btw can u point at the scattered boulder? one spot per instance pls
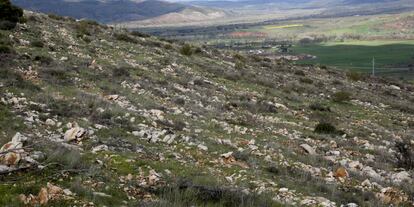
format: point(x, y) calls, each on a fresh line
point(11, 152)
point(228, 158)
point(400, 177)
point(394, 87)
point(391, 195)
point(49, 193)
point(308, 149)
point(74, 134)
point(50, 122)
point(102, 195)
point(112, 97)
point(100, 148)
point(368, 171)
point(202, 147)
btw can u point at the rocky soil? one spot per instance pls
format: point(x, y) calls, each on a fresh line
point(93, 116)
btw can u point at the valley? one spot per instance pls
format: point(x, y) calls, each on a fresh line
point(347, 43)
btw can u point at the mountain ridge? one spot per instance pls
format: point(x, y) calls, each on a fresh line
point(111, 11)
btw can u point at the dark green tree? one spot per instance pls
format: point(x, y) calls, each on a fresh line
point(9, 15)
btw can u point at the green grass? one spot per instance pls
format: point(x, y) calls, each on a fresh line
point(9, 124)
point(357, 55)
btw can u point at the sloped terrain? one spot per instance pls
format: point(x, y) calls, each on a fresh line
point(190, 15)
point(103, 11)
point(92, 116)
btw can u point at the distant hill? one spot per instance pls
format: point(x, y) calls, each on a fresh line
point(191, 15)
point(107, 11)
point(300, 4)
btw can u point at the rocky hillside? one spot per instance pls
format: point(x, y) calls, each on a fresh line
point(92, 116)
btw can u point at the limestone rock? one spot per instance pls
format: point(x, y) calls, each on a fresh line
point(401, 177)
point(392, 196)
point(308, 149)
point(50, 122)
point(11, 151)
point(73, 134)
point(100, 148)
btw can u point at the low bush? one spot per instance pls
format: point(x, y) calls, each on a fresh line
point(44, 60)
point(273, 169)
point(125, 38)
point(121, 72)
point(55, 75)
point(239, 65)
point(37, 43)
point(354, 76)
point(11, 78)
point(185, 193)
point(89, 22)
point(179, 101)
point(66, 158)
point(168, 46)
point(86, 27)
point(198, 50)
point(10, 15)
point(5, 49)
point(319, 107)
point(405, 154)
point(139, 34)
point(239, 57)
point(341, 97)
point(186, 50)
point(306, 80)
point(56, 17)
point(300, 73)
point(325, 128)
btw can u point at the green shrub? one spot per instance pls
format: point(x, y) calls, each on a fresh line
point(186, 193)
point(300, 73)
point(273, 169)
point(186, 50)
point(306, 80)
point(66, 158)
point(5, 49)
point(9, 15)
point(11, 78)
point(89, 22)
point(86, 27)
point(56, 17)
point(319, 107)
point(325, 128)
point(239, 57)
point(168, 46)
point(37, 43)
point(354, 76)
point(341, 97)
point(257, 58)
point(324, 67)
point(124, 37)
point(44, 60)
point(239, 65)
point(405, 155)
point(121, 72)
point(139, 34)
point(55, 75)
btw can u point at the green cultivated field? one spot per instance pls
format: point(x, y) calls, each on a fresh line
point(357, 55)
point(348, 43)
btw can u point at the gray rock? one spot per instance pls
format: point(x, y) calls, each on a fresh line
point(401, 177)
point(308, 149)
